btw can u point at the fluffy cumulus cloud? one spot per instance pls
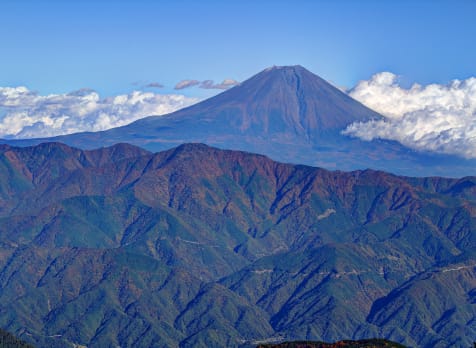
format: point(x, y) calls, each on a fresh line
point(440, 118)
point(26, 114)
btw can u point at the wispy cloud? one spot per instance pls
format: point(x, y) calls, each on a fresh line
point(186, 84)
point(227, 83)
point(26, 114)
point(435, 117)
point(154, 85)
point(206, 84)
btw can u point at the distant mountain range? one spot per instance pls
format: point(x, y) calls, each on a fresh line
point(201, 247)
point(286, 113)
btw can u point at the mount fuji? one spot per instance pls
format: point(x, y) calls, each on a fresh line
point(286, 113)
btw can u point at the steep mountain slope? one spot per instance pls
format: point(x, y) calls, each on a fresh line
point(443, 323)
point(286, 113)
point(197, 246)
point(7, 340)
point(370, 343)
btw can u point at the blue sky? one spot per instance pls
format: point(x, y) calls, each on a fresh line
point(60, 46)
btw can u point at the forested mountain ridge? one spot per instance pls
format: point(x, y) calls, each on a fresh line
point(197, 246)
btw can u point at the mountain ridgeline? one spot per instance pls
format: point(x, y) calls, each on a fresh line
point(286, 113)
point(200, 247)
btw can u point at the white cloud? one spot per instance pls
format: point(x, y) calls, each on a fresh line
point(25, 114)
point(439, 118)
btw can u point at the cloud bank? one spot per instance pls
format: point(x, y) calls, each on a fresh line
point(440, 118)
point(26, 114)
